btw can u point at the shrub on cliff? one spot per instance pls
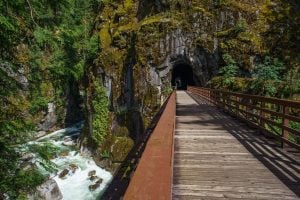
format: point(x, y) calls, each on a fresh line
point(100, 115)
point(229, 71)
point(267, 75)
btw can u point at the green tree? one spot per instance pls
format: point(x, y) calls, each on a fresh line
point(229, 71)
point(292, 82)
point(45, 41)
point(267, 75)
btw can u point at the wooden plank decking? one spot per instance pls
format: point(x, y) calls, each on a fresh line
point(217, 157)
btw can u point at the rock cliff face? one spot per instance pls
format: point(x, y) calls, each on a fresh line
point(146, 44)
point(146, 47)
point(113, 63)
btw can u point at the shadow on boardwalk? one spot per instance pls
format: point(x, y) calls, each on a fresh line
point(283, 163)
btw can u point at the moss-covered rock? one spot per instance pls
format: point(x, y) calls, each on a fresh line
point(142, 41)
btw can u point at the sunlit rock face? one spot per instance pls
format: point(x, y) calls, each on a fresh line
point(50, 119)
point(180, 48)
point(142, 42)
point(49, 191)
point(145, 43)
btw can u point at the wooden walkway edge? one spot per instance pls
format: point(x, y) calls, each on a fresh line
point(153, 177)
point(217, 157)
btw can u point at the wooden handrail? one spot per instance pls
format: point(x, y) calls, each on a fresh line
point(153, 177)
point(272, 116)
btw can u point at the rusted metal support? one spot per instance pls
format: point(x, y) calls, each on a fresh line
point(153, 176)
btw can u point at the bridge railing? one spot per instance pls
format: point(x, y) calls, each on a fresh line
point(152, 178)
point(275, 117)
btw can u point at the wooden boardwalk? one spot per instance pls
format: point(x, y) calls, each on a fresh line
point(218, 157)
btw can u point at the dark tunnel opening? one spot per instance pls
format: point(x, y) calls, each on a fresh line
point(182, 76)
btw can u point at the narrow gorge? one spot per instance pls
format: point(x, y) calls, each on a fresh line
point(81, 80)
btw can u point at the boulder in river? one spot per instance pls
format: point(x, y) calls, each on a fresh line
point(26, 166)
point(64, 153)
point(63, 174)
point(67, 139)
point(92, 173)
point(94, 186)
point(40, 134)
point(73, 168)
point(27, 157)
point(99, 181)
point(28, 161)
point(94, 177)
point(49, 191)
point(68, 143)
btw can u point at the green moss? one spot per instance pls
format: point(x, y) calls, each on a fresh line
point(240, 26)
point(113, 150)
point(121, 131)
point(156, 19)
point(47, 89)
point(202, 10)
point(224, 33)
point(105, 38)
point(241, 6)
point(167, 91)
point(38, 104)
point(121, 147)
point(206, 41)
point(100, 113)
point(121, 30)
point(151, 100)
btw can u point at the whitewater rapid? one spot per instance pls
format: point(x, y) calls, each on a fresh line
point(75, 185)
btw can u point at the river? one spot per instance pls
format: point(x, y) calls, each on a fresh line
point(74, 185)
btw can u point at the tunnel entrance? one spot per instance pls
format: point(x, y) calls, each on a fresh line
point(182, 76)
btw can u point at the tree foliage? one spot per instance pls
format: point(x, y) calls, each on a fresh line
point(229, 71)
point(45, 45)
point(267, 76)
point(100, 114)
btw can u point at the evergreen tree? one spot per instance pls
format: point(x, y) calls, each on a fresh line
point(42, 41)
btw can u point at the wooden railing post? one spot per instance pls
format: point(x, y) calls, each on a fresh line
point(262, 115)
point(236, 106)
point(220, 100)
point(214, 97)
point(285, 122)
point(228, 98)
point(255, 110)
point(247, 110)
point(223, 101)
